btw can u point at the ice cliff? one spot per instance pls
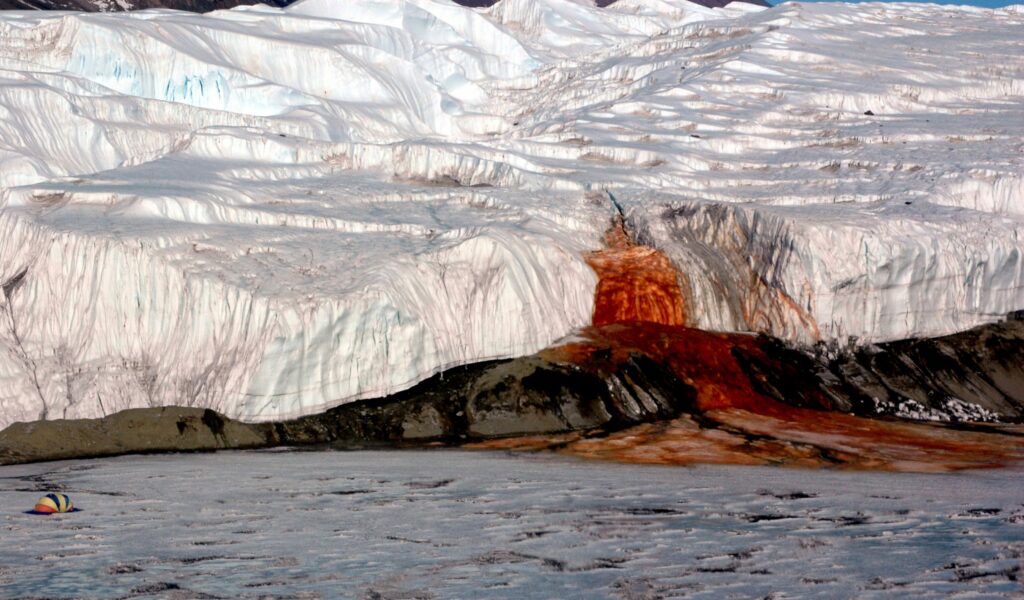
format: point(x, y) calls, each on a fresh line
point(271, 212)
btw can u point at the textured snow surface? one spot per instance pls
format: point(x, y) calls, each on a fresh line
point(270, 212)
point(450, 524)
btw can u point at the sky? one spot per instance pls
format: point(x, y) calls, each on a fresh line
point(984, 3)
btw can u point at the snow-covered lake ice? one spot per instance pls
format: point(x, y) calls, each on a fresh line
point(456, 524)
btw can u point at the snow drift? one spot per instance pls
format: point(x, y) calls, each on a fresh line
point(271, 212)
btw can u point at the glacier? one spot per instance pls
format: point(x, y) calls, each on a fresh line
point(271, 212)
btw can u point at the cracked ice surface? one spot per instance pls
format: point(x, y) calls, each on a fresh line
point(271, 212)
point(452, 524)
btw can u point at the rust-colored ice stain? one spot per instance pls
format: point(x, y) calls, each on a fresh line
point(705, 360)
point(639, 309)
point(635, 283)
point(733, 423)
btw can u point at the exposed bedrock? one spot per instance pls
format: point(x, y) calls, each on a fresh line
point(140, 430)
point(772, 399)
point(524, 396)
point(410, 185)
point(974, 375)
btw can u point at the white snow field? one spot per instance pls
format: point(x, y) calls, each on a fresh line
point(451, 524)
point(272, 212)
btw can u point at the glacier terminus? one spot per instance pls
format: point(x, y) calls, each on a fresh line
point(272, 212)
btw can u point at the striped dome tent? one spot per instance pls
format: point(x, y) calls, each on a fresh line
point(54, 503)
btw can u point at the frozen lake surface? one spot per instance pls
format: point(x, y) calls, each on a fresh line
point(456, 524)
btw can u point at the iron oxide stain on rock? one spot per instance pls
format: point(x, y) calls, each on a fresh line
point(755, 400)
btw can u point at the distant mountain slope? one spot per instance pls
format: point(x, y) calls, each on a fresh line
point(208, 5)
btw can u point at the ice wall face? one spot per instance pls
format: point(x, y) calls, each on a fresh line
point(271, 212)
point(119, 5)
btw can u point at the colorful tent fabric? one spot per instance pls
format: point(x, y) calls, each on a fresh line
point(53, 503)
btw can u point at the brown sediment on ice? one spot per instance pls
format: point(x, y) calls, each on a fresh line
point(747, 438)
point(634, 392)
point(755, 401)
point(639, 386)
point(740, 418)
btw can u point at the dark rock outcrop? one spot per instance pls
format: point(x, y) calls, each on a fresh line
point(625, 376)
point(971, 376)
point(142, 430)
point(975, 375)
point(476, 402)
point(524, 396)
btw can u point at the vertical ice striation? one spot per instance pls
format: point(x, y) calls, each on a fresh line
point(271, 212)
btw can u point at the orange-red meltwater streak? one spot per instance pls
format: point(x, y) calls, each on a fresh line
point(639, 308)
